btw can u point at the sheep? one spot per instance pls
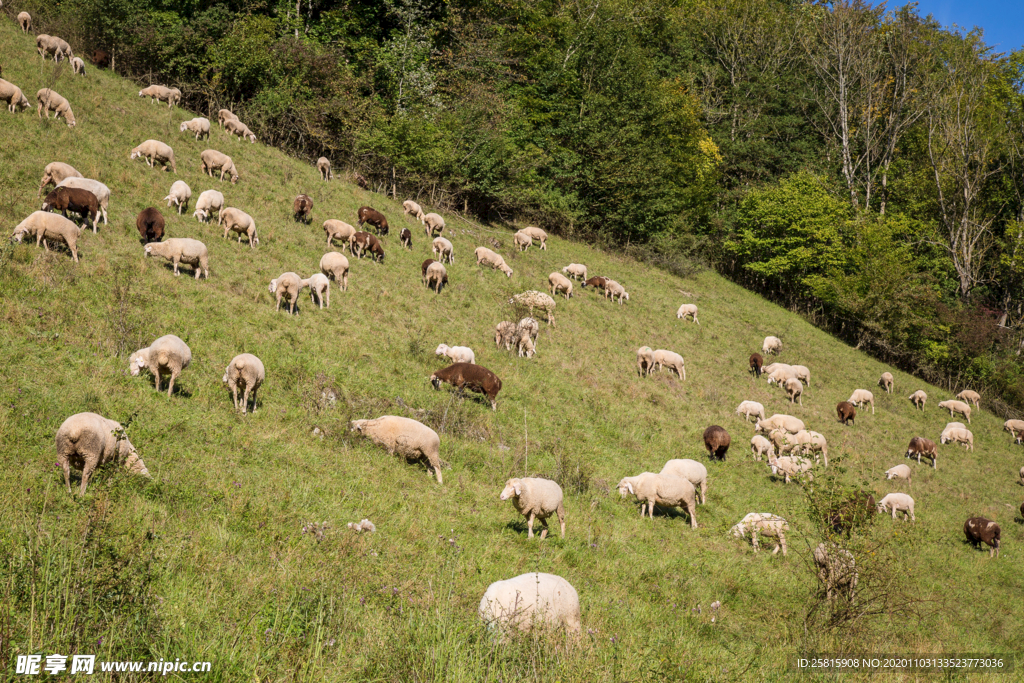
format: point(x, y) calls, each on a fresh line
point(772, 367)
point(101, 58)
point(958, 435)
point(886, 382)
point(670, 359)
point(504, 334)
point(444, 250)
point(98, 189)
point(488, 258)
point(1015, 427)
point(366, 242)
point(236, 127)
point(520, 603)
point(767, 525)
point(802, 373)
point(786, 423)
point(458, 354)
point(897, 502)
point(537, 234)
point(405, 437)
point(436, 277)
point(597, 283)
point(756, 361)
point(209, 204)
point(199, 126)
point(661, 489)
point(846, 412)
point(969, 396)
point(687, 310)
point(533, 299)
point(25, 21)
point(52, 45)
point(211, 160)
point(50, 101)
point(287, 286)
point(560, 283)
point(692, 471)
point(780, 375)
point(77, 66)
point(433, 224)
point(12, 95)
point(795, 390)
point(716, 441)
point(837, 569)
point(168, 355)
point(73, 199)
point(861, 397)
point(335, 266)
point(302, 208)
point(150, 224)
point(320, 286)
point(536, 499)
point(761, 446)
point(245, 372)
point(156, 152)
point(921, 446)
point(771, 345)
point(323, 165)
point(359, 180)
point(375, 218)
point(405, 237)
point(748, 408)
point(956, 407)
point(225, 115)
point(55, 173)
point(411, 208)
point(522, 240)
point(239, 221)
point(339, 230)
point(898, 472)
point(980, 530)
point(49, 226)
point(614, 289)
point(577, 271)
point(464, 376)
point(918, 398)
point(182, 250)
point(87, 441)
point(790, 466)
point(180, 195)
point(171, 96)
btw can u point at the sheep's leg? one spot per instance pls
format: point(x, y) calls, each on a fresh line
point(529, 526)
point(753, 539)
point(245, 399)
point(157, 378)
point(66, 466)
point(255, 389)
point(692, 509)
point(86, 471)
point(170, 387)
point(176, 273)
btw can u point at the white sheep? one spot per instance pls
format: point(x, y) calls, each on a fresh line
point(1015, 427)
point(236, 220)
point(45, 226)
point(898, 472)
point(522, 240)
point(245, 372)
point(537, 234)
point(559, 283)
point(411, 208)
point(485, 256)
point(613, 289)
point(687, 310)
point(886, 382)
point(670, 359)
point(577, 271)
point(335, 266)
point(25, 21)
point(458, 354)
point(99, 190)
point(505, 334)
point(529, 327)
point(520, 603)
point(660, 489)
point(958, 435)
point(761, 446)
point(898, 502)
point(77, 66)
point(861, 397)
point(88, 440)
point(433, 224)
point(168, 355)
point(786, 423)
point(969, 396)
point(837, 569)
point(765, 524)
point(339, 230)
point(211, 160)
point(443, 249)
point(155, 152)
point(55, 172)
point(957, 407)
point(50, 101)
point(526, 346)
point(182, 250)
point(323, 165)
point(802, 373)
point(179, 196)
point(771, 345)
point(320, 288)
point(790, 466)
point(533, 299)
point(209, 204)
point(795, 390)
point(692, 471)
point(780, 374)
point(236, 127)
point(287, 286)
point(748, 408)
point(199, 125)
point(171, 96)
point(406, 437)
point(435, 276)
point(12, 95)
point(918, 398)
point(225, 115)
point(52, 45)
point(536, 499)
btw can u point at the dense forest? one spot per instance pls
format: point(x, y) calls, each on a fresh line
point(860, 164)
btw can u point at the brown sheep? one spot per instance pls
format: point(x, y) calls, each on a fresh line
point(980, 530)
point(150, 223)
point(363, 242)
point(76, 200)
point(464, 376)
point(406, 237)
point(921, 446)
point(717, 441)
point(303, 208)
point(359, 180)
point(846, 412)
point(596, 282)
point(756, 362)
point(100, 58)
point(375, 218)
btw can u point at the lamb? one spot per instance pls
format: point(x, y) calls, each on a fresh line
point(405, 237)
point(180, 195)
point(12, 95)
point(790, 466)
point(458, 354)
point(861, 397)
point(55, 173)
point(614, 289)
point(898, 472)
point(577, 271)
point(537, 234)
point(51, 101)
point(211, 160)
point(504, 333)
point(956, 407)
point(49, 226)
point(756, 361)
point(767, 525)
point(444, 250)
point(786, 423)
point(969, 396)
point(464, 376)
point(716, 441)
point(1015, 427)
point(168, 355)
point(771, 345)
point(488, 258)
point(320, 286)
point(287, 286)
point(795, 390)
point(171, 96)
point(323, 165)
point(761, 446)
point(77, 66)
point(692, 471)
point(236, 127)
point(335, 266)
point(436, 277)
point(886, 382)
point(687, 310)
point(245, 372)
point(87, 441)
point(150, 224)
point(921, 446)
point(405, 437)
point(980, 530)
point(544, 600)
point(73, 199)
point(918, 398)
point(155, 152)
point(533, 299)
point(52, 45)
point(25, 21)
point(748, 408)
point(182, 250)
point(958, 435)
point(560, 283)
point(199, 126)
point(433, 224)
point(339, 230)
point(670, 359)
point(526, 337)
point(837, 569)
point(239, 221)
point(898, 502)
point(536, 499)
point(661, 489)
point(846, 412)
point(375, 218)
point(302, 208)
point(522, 240)
point(209, 204)
point(411, 208)
point(225, 115)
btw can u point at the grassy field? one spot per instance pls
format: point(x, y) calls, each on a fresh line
point(236, 550)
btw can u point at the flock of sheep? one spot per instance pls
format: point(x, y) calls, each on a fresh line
point(86, 441)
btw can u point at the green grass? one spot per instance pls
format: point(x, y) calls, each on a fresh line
point(208, 560)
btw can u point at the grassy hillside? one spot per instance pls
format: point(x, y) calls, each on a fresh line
point(217, 558)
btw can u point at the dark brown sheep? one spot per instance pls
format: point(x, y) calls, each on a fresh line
point(364, 242)
point(100, 58)
point(980, 530)
point(150, 223)
point(464, 376)
point(756, 362)
point(717, 441)
point(303, 208)
point(406, 238)
point(921, 446)
point(373, 217)
point(75, 200)
point(846, 412)
point(359, 180)
point(598, 282)
point(377, 250)
point(424, 266)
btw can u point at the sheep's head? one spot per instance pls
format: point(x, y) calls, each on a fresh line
point(134, 463)
point(625, 486)
point(149, 250)
point(137, 361)
point(18, 233)
point(183, 127)
point(739, 531)
point(273, 286)
point(513, 487)
point(142, 93)
point(135, 153)
point(435, 381)
point(442, 350)
point(507, 271)
point(357, 425)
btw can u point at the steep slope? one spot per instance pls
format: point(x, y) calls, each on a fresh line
point(222, 557)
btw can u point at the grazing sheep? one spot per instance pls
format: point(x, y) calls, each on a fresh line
point(802, 373)
point(150, 224)
point(846, 412)
point(536, 499)
point(225, 115)
point(75, 200)
point(339, 230)
point(535, 599)
point(56, 172)
point(790, 466)
point(101, 58)
point(771, 345)
point(921, 446)
point(1015, 427)
point(522, 240)
point(773, 367)
point(182, 250)
point(577, 271)
point(537, 234)
point(320, 287)
point(898, 472)
point(780, 375)
point(756, 361)
point(433, 224)
point(525, 345)
point(767, 525)
point(958, 435)
point(886, 382)
point(968, 396)
point(155, 152)
point(236, 220)
point(613, 289)
point(236, 127)
point(87, 440)
point(956, 407)
point(692, 471)
point(488, 258)
point(366, 242)
point(687, 310)
point(375, 218)
point(302, 208)
point(560, 283)
point(837, 570)
point(504, 333)
point(12, 95)
point(918, 398)
point(180, 195)
point(52, 45)
point(980, 530)
point(661, 489)
point(861, 397)
point(287, 286)
point(25, 21)
point(171, 96)
point(529, 327)
point(50, 101)
point(405, 237)
point(716, 441)
point(786, 423)
point(209, 204)
point(168, 355)
point(748, 408)
point(670, 359)
point(533, 299)
point(49, 226)
point(323, 165)
point(436, 277)
point(245, 372)
point(443, 249)
point(795, 390)
point(199, 126)
point(897, 502)
point(335, 266)
point(77, 66)
point(406, 437)
point(597, 283)
point(211, 160)
point(815, 444)
point(761, 446)
point(411, 208)
point(464, 376)
point(424, 266)
point(458, 354)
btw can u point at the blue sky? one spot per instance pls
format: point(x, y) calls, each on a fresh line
point(1002, 20)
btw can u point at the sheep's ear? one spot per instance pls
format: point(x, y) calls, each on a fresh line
point(518, 488)
point(629, 487)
